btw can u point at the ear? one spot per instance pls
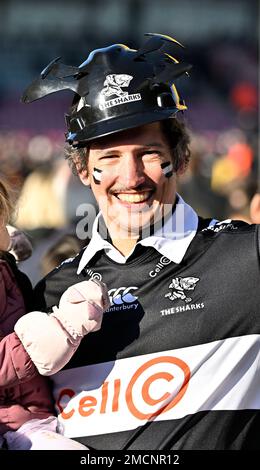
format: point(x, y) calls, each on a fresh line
point(84, 177)
point(181, 169)
point(81, 171)
point(255, 209)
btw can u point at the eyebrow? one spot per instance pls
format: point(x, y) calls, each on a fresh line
point(112, 151)
point(153, 144)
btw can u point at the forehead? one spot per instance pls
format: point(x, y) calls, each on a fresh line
point(143, 136)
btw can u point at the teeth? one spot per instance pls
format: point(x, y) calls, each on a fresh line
point(133, 197)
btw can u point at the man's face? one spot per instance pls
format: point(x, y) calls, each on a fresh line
point(131, 178)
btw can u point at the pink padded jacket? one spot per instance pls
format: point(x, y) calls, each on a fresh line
point(41, 343)
point(24, 394)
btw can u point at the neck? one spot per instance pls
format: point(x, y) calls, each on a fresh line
point(125, 246)
point(121, 239)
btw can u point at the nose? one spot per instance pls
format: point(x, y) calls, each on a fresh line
point(131, 171)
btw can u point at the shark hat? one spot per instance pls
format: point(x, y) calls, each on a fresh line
point(116, 88)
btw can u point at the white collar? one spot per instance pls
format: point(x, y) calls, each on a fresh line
point(172, 240)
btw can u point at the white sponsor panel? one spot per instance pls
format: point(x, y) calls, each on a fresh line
point(122, 395)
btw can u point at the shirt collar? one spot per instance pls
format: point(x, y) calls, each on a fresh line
point(171, 240)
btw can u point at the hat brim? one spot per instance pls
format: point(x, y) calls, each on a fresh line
point(119, 124)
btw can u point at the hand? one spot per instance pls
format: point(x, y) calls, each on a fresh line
point(81, 307)
point(51, 340)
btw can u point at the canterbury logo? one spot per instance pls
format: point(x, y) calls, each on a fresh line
point(122, 295)
point(113, 85)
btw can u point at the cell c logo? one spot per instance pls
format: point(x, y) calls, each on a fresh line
point(153, 389)
point(96, 276)
point(165, 260)
point(168, 400)
point(159, 266)
point(122, 295)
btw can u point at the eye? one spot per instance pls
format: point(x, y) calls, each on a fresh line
point(108, 157)
point(152, 155)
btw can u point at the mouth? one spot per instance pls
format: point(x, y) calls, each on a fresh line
point(135, 198)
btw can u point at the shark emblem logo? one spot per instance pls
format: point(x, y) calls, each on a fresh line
point(114, 83)
point(179, 286)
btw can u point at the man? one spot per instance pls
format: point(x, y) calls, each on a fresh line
point(176, 362)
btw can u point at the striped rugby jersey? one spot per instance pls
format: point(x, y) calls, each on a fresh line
point(176, 362)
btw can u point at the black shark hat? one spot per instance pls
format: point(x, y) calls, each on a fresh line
point(116, 88)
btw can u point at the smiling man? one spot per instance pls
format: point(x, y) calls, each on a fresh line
point(133, 189)
point(175, 364)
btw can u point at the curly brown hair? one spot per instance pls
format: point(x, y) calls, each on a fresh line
point(175, 132)
point(6, 203)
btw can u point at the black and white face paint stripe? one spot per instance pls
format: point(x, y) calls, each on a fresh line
point(97, 175)
point(167, 169)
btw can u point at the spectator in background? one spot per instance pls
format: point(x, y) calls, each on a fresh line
point(243, 200)
point(40, 203)
point(65, 248)
point(194, 184)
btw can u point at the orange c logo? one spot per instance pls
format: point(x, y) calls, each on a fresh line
point(167, 405)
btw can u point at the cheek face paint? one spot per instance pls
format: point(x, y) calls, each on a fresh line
point(96, 173)
point(167, 169)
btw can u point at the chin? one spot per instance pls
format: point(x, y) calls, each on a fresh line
point(133, 228)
